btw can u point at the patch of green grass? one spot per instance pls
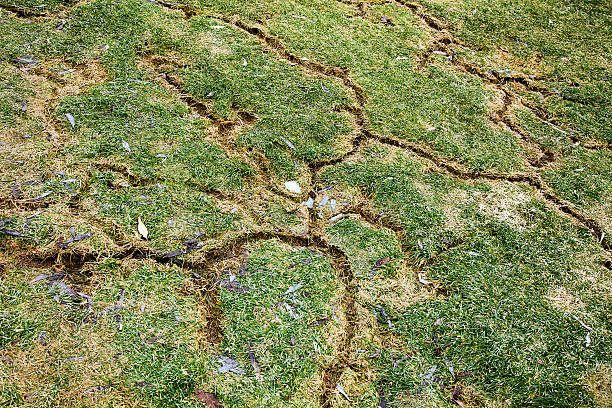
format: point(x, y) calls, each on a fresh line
point(501, 324)
point(172, 214)
point(402, 193)
point(138, 124)
point(126, 27)
point(15, 328)
point(284, 317)
point(365, 245)
point(19, 39)
point(156, 337)
point(446, 110)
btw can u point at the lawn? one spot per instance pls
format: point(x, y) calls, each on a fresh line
point(305, 203)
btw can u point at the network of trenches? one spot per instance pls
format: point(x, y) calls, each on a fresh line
point(204, 272)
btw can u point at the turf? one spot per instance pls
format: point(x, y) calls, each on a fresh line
point(290, 203)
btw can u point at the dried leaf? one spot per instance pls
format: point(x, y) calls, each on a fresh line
point(254, 362)
point(42, 196)
point(142, 229)
point(588, 339)
point(97, 388)
point(294, 288)
point(70, 119)
point(16, 191)
point(11, 232)
point(290, 310)
point(288, 143)
point(423, 280)
point(383, 261)
point(234, 286)
point(144, 384)
point(323, 202)
point(340, 389)
point(26, 60)
point(208, 398)
point(173, 254)
point(309, 203)
point(76, 238)
point(380, 263)
point(336, 217)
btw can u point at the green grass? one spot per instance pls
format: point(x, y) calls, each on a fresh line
point(498, 323)
point(154, 135)
point(459, 284)
point(364, 245)
point(283, 319)
point(403, 194)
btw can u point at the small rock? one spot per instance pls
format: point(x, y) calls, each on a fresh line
point(293, 187)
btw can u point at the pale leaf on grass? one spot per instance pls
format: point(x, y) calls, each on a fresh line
point(142, 229)
point(70, 119)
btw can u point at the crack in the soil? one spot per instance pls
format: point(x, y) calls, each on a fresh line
point(22, 12)
point(445, 42)
point(275, 45)
point(534, 180)
point(73, 262)
point(503, 116)
point(363, 10)
point(223, 128)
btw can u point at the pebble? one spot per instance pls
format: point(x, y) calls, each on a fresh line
point(293, 187)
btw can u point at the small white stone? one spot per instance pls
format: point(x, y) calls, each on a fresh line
point(293, 187)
